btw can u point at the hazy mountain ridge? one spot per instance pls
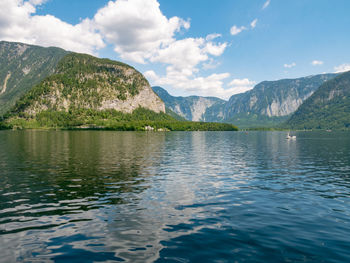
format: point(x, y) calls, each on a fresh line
point(22, 67)
point(192, 108)
point(327, 108)
point(269, 103)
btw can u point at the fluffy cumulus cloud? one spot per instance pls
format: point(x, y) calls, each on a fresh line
point(317, 63)
point(18, 22)
point(342, 68)
point(137, 28)
point(183, 54)
point(291, 65)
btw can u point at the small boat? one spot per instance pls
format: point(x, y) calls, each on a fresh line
point(290, 137)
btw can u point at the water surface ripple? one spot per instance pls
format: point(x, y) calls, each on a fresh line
point(68, 196)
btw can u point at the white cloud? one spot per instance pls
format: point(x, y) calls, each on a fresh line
point(141, 33)
point(241, 85)
point(211, 85)
point(241, 82)
point(215, 49)
point(184, 59)
point(236, 30)
point(317, 63)
point(290, 65)
point(150, 74)
point(37, 2)
point(266, 4)
point(253, 23)
point(137, 28)
point(182, 54)
point(18, 22)
point(211, 64)
point(212, 36)
point(342, 68)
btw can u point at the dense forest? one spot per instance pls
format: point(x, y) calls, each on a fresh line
point(141, 119)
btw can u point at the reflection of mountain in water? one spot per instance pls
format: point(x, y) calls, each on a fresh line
point(87, 169)
point(70, 186)
point(170, 196)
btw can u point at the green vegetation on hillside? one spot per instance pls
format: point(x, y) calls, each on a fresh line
point(85, 71)
point(108, 120)
point(327, 108)
point(21, 67)
point(83, 81)
point(275, 98)
point(3, 126)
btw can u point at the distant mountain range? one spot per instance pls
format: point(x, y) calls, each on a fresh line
point(269, 103)
point(192, 108)
point(50, 86)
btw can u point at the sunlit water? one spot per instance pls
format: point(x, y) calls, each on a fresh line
point(174, 197)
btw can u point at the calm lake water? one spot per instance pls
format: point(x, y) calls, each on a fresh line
point(90, 196)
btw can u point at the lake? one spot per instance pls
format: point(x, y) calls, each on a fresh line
point(103, 196)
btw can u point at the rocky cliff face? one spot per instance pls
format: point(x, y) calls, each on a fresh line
point(21, 67)
point(275, 98)
point(327, 108)
point(145, 98)
point(272, 101)
point(85, 82)
point(192, 108)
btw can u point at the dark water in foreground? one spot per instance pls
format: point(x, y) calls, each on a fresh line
point(174, 197)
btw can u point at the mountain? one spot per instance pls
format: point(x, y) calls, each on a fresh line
point(21, 67)
point(84, 92)
point(327, 108)
point(85, 82)
point(50, 83)
point(84, 88)
point(192, 108)
point(271, 102)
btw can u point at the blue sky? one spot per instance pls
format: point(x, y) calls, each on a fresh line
point(210, 48)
